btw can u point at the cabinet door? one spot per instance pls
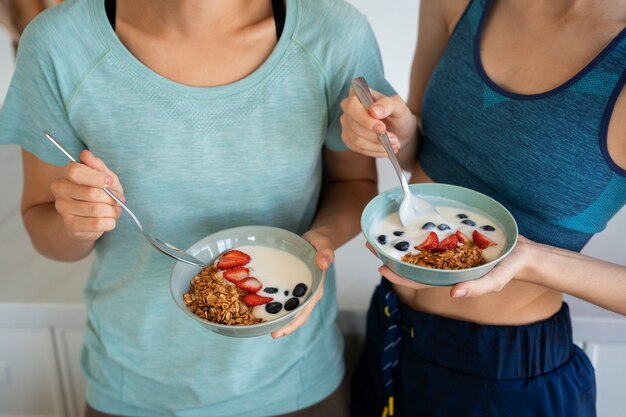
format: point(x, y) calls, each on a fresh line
point(29, 381)
point(609, 360)
point(69, 342)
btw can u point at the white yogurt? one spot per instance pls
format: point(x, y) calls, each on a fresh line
point(415, 235)
point(275, 268)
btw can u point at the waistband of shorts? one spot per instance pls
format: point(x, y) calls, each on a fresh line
point(488, 351)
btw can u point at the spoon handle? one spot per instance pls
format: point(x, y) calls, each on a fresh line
point(106, 190)
point(365, 97)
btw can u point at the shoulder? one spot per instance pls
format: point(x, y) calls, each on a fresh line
point(61, 42)
point(64, 22)
point(448, 12)
point(329, 22)
point(333, 32)
point(334, 13)
point(64, 34)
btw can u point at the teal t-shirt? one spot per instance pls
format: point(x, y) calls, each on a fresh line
point(193, 161)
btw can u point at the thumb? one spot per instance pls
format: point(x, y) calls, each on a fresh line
point(323, 246)
point(383, 107)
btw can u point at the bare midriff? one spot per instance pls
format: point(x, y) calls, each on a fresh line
point(518, 303)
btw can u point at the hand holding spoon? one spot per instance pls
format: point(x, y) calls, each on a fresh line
point(412, 207)
point(161, 245)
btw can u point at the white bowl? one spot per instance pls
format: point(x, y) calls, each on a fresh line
point(212, 246)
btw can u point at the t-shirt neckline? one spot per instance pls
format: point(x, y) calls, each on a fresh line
point(114, 45)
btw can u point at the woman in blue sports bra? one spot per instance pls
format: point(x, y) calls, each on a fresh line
point(522, 101)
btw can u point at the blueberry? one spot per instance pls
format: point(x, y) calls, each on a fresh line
point(286, 293)
point(382, 239)
point(274, 307)
point(402, 246)
point(488, 228)
point(443, 226)
point(469, 222)
point(299, 290)
point(462, 216)
point(428, 226)
point(291, 304)
point(398, 233)
point(271, 290)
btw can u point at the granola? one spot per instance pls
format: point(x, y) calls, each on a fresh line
point(464, 256)
point(211, 298)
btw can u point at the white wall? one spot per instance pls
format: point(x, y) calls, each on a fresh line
point(395, 28)
point(6, 62)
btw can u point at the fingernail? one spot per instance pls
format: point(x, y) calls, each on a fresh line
point(379, 128)
point(378, 110)
point(393, 140)
point(108, 180)
point(460, 293)
point(280, 335)
point(123, 199)
point(326, 261)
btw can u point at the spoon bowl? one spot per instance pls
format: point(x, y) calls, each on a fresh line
point(412, 206)
point(161, 245)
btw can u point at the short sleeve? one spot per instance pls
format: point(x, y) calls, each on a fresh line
point(361, 59)
point(35, 103)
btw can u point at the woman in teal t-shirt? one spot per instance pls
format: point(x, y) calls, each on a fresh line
point(204, 115)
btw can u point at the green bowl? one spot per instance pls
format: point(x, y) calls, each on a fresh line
point(451, 195)
point(209, 248)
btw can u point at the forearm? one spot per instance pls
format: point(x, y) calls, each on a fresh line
point(50, 236)
point(599, 282)
point(339, 212)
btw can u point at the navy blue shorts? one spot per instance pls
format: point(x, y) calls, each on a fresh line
point(418, 364)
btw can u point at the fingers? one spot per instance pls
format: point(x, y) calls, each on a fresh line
point(325, 250)
point(361, 126)
point(371, 248)
point(496, 279)
point(83, 175)
point(303, 315)
point(87, 227)
point(87, 211)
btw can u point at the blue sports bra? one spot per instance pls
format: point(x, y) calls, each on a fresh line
point(543, 156)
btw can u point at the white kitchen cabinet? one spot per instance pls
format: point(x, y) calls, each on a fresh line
point(29, 377)
point(40, 349)
point(68, 342)
point(609, 360)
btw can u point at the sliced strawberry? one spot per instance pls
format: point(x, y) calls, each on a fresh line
point(252, 300)
point(448, 243)
point(462, 237)
point(430, 243)
point(235, 274)
point(249, 284)
point(481, 240)
point(232, 259)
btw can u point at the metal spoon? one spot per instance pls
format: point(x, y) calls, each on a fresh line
point(161, 245)
point(412, 206)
